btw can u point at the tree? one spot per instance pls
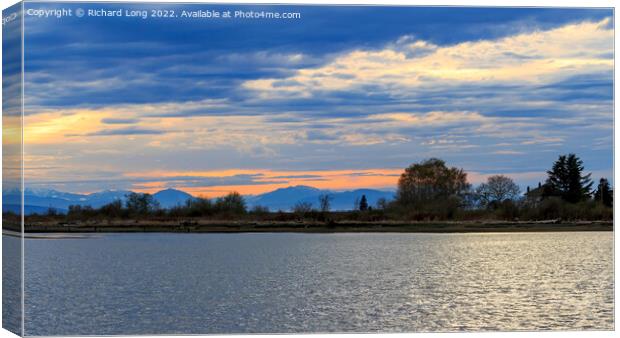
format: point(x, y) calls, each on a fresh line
point(363, 203)
point(232, 203)
point(199, 206)
point(302, 208)
point(80, 212)
point(604, 194)
point(260, 210)
point(382, 203)
point(112, 209)
point(497, 189)
point(430, 181)
point(566, 180)
point(325, 202)
point(74, 210)
point(141, 204)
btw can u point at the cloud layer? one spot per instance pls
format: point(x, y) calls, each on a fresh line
point(504, 91)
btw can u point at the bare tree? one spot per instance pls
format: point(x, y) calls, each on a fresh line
point(141, 204)
point(382, 203)
point(302, 207)
point(325, 202)
point(497, 189)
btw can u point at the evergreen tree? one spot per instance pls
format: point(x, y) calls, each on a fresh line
point(567, 181)
point(363, 203)
point(604, 194)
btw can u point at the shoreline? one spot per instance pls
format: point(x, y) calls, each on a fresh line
point(314, 227)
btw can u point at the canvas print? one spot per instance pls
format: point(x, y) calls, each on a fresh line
point(176, 168)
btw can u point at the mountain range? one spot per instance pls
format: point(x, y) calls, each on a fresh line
point(41, 200)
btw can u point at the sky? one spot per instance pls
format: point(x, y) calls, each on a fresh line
point(341, 98)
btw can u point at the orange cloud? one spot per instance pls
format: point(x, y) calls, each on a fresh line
point(322, 179)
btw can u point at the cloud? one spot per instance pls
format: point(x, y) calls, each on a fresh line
point(124, 132)
point(411, 83)
point(110, 120)
point(253, 181)
point(318, 135)
point(430, 119)
point(197, 181)
point(530, 58)
point(508, 152)
point(542, 140)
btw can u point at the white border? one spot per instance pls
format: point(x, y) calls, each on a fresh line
point(469, 3)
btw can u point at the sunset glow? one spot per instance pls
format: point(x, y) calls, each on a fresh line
point(331, 112)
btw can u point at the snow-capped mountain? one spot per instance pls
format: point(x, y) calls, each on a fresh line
point(285, 198)
point(41, 200)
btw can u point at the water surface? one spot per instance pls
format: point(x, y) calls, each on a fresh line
point(271, 283)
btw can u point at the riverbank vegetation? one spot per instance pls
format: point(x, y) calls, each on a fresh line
point(428, 191)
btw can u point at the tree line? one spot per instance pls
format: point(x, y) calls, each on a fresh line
point(426, 191)
point(140, 205)
point(432, 190)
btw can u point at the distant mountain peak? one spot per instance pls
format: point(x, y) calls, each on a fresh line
point(299, 187)
point(280, 199)
point(171, 190)
point(286, 198)
point(170, 197)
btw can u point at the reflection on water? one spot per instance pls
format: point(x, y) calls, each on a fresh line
point(235, 283)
